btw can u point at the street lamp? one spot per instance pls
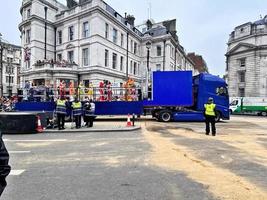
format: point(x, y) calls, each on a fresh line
point(148, 46)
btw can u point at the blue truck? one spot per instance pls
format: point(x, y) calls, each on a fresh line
point(175, 96)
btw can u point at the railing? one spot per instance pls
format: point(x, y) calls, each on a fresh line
point(55, 66)
point(75, 10)
point(43, 93)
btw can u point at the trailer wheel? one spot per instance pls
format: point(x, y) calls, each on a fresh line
point(218, 117)
point(264, 113)
point(165, 116)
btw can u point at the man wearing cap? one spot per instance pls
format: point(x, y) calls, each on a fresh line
point(77, 112)
point(210, 116)
point(61, 111)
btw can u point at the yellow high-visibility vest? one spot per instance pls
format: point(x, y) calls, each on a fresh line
point(210, 109)
point(76, 105)
point(61, 102)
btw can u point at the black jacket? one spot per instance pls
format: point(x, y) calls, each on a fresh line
point(4, 167)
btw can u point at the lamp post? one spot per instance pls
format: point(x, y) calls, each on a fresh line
point(148, 46)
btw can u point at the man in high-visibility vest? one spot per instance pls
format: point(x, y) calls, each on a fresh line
point(77, 112)
point(61, 111)
point(210, 115)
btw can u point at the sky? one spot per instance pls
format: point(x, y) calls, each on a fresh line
point(203, 26)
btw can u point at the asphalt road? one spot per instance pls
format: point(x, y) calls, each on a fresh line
point(160, 162)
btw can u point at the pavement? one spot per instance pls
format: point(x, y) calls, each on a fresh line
point(99, 126)
point(166, 161)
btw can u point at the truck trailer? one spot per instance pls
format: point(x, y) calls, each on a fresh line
point(249, 105)
point(175, 96)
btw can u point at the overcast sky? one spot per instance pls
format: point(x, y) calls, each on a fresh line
point(203, 25)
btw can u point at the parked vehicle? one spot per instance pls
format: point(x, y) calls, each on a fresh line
point(175, 96)
point(249, 105)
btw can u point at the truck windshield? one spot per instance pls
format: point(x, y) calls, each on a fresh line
point(234, 103)
point(222, 91)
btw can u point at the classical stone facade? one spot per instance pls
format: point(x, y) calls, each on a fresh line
point(246, 60)
point(11, 61)
point(89, 41)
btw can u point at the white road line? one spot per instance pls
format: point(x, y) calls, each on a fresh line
point(8, 140)
point(16, 172)
point(18, 152)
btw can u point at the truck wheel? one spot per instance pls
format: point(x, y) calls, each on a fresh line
point(218, 116)
point(165, 116)
point(264, 114)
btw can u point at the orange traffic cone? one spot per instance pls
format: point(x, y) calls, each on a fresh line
point(39, 128)
point(129, 123)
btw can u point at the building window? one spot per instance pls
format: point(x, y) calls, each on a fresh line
point(115, 35)
point(85, 30)
point(242, 77)
point(71, 33)
point(114, 61)
point(131, 67)
point(135, 48)
point(9, 78)
point(106, 58)
point(106, 31)
point(85, 57)
point(70, 56)
point(28, 36)
point(59, 37)
point(241, 92)
point(158, 50)
point(242, 62)
point(158, 67)
point(28, 13)
point(122, 40)
point(121, 65)
point(59, 57)
point(131, 46)
point(135, 68)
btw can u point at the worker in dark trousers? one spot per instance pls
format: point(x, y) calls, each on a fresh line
point(210, 115)
point(61, 111)
point(4, 167)
point(77, 112)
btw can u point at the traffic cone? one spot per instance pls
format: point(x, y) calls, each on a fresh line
point(39, 128)
point(129, 123)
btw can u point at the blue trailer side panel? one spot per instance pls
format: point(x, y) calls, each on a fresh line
point(119, 108)
point(35, 106)
point(172, 89)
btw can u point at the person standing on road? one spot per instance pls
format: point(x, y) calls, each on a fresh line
point(89, 111)
point(77, 112)
point(4, 167)
point(210, 116)
point(61, 111)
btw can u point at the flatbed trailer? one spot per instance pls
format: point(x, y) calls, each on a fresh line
point(176, 96)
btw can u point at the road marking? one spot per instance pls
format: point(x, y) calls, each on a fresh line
point(8, 140)
point(16, 172)
point(18, 152)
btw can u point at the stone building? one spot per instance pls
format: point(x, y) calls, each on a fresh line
point(11, 61)
point(89, 41)
point(246, 60)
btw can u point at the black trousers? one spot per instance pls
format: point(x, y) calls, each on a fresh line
point(210, 120)
point(78, 122)
point(60, 120)
point(89, 121)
